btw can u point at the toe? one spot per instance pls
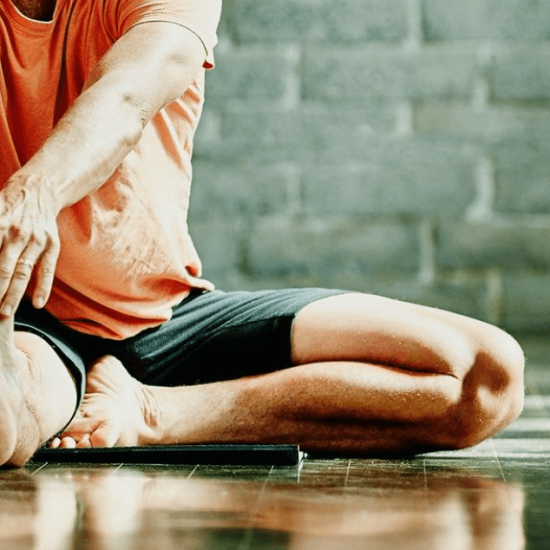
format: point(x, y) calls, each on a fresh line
point(67, 443)
point(84, 443)
point(105, 435)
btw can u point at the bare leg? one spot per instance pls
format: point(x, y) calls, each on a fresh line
point(370, 375)
point(37, 394)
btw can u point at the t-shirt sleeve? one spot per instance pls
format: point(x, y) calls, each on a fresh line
point(201, 17)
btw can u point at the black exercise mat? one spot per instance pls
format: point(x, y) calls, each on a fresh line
point(176, 454)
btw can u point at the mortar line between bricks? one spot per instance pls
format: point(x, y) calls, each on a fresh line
point(292, 96)
point(426, 273)
point(494, 306)
point(415, 37)
point(482, 90)
point(481, 208)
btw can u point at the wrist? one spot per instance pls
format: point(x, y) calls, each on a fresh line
point(27, 185)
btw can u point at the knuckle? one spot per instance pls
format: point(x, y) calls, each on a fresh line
point(22, 271)
point(5, 272)
point(8, 307)
point(54, 242)
point(37, 239)
point(47, 271)
point(19, 234)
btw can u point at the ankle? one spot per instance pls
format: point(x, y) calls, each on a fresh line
point(152, 429)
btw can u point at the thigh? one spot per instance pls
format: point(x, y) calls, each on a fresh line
point(374, 329)
point(217, 336)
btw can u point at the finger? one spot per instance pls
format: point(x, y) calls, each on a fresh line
point(9, 255)
point(84, 443)
point(22, 273)
point(45, 274)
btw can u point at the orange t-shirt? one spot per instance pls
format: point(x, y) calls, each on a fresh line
point(126, 255)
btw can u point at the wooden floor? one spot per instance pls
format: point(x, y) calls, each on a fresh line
point(495, 496)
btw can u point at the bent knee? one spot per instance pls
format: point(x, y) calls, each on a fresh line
point(492, 392)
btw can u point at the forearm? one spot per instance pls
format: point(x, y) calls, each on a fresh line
point(132, 82)
point(79, 156)
point(87, 145)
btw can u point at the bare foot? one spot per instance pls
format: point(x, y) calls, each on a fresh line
point(11, 396)
point(19, 426)
point(117, 410)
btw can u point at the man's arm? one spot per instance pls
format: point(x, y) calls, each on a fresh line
point(147, 68)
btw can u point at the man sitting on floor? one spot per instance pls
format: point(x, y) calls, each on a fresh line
point(103, 308)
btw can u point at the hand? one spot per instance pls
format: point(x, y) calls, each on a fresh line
point(29, 241)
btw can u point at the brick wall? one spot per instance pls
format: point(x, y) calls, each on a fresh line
point(400, 147)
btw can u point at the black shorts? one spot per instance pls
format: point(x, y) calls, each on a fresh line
point(211, 336)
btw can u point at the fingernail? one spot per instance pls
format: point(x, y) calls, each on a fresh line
point(40, 302)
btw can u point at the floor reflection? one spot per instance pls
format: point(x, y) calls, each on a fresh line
point(125, 508)
point(38, 513)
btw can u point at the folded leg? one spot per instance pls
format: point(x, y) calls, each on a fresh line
point(368, 374)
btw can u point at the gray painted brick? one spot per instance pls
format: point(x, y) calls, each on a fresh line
point(486, 19)
point(527, 302)
point(280, 245)
point(522, 173)
point(267, 136)
point(224, 190)
point(491, 125)
point(466, 297)
point(209, 131)
point(218, 245)
point(442, 188)
point(322, 100)
point(248, 75)
point(510, 245)
point(413, 149)
point(336, 134)
point(350, 73)
point(520, 74)
point(317, 20)
point(270, 136)
point(312, 136)
point(252, 136)
point(247, 280)
point(524, 188)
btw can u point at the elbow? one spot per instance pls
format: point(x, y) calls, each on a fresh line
point(139, 114)
point(132, 130)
